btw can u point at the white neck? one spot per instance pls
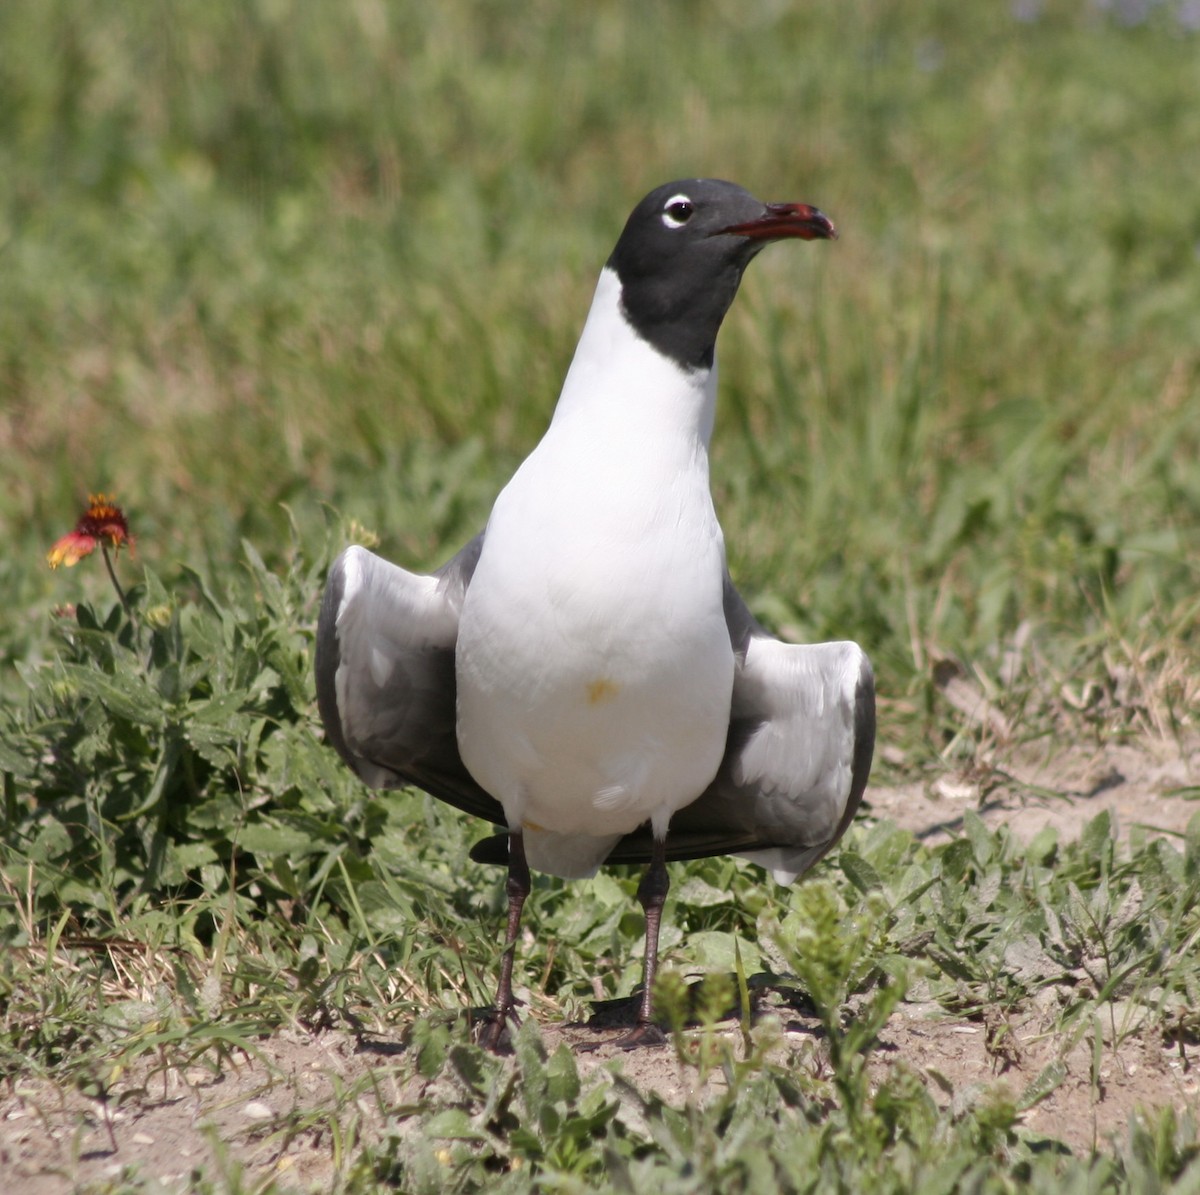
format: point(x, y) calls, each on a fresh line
point(617, 380)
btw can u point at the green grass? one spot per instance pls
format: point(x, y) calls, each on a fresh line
point(269, 270)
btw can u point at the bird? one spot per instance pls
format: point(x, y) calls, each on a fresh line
point(584, 674)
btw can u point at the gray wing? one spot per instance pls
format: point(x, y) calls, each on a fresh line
point(385, 674)
point(801, 738)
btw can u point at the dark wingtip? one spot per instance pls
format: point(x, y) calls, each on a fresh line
point(491, 850)
point(864, 733)
point(326, 661)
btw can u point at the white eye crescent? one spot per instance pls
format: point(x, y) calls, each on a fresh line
point(677, 211)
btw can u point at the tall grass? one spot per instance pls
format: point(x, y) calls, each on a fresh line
point(280, 253)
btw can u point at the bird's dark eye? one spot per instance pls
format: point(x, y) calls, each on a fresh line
point(678, 211)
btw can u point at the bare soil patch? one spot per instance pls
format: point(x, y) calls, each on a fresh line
point(1153, 785)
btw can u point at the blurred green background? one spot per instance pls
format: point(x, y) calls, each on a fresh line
point(330, 259)
point(283, 273)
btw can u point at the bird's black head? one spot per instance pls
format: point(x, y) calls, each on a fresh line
point(682, 254)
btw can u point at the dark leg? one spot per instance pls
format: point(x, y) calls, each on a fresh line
point(518, 889)
point(652, 893)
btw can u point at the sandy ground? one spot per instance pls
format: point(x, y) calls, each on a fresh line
point(172, 1123)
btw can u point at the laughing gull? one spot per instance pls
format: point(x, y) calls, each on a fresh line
point(584, 674)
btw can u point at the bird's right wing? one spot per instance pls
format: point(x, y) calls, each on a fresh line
point(385, 675)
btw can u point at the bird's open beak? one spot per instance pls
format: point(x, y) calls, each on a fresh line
point(782, 220)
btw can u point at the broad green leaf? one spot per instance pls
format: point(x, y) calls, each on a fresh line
point(1096, 838)
point(982, 842)
point(1048, 1079)
point(700, 894)
point(858, 871)
point(717, 950)
point(273, 838)
point(452, 1124)
point(123, 694)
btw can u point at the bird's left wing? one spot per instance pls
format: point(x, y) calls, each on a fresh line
point(385, 674)
point(801, 738)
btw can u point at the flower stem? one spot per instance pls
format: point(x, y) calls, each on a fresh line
point(112, 576)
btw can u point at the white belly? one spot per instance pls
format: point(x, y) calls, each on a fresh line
point(595, 669)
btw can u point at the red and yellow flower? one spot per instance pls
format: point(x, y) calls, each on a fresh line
point(103, 522)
